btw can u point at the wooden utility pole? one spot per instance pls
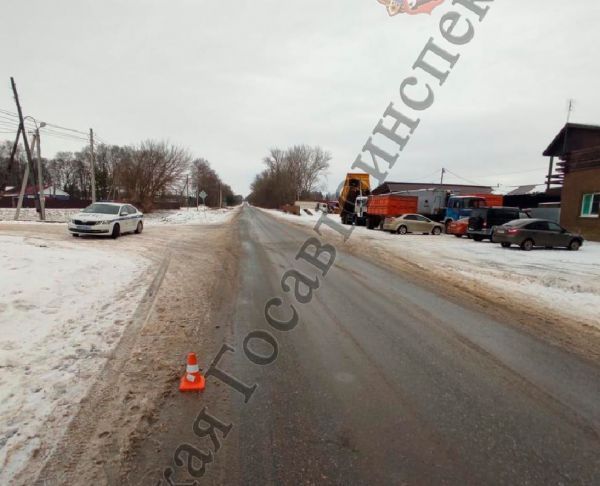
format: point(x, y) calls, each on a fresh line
point(187, 191)
point(93, 163)
point(24, 182)
point(41, 195)
point(22, 125)
point(220, 196)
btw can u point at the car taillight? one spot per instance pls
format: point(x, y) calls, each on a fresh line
point(512, 231)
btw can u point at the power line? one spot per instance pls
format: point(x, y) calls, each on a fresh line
point(462, 178)
point(424, 177)
point(64, 128)
point(56, 128)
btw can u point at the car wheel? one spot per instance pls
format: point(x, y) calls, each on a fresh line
point(527, 245)
point(478, 238)
point(437, 230)
point(116, 232)
point(574, 245)
point(458, 236)
point(74, 235)
point(505, 245)
point(402, 230)
point(139, 228)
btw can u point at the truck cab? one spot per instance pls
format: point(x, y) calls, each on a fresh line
point(356, 186)
point(460, 207)
point(360, 209)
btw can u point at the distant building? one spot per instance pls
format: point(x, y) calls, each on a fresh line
point(532, 196)
point(578, 149)
point(50, 192)
point(459, 189)
point(32, 191)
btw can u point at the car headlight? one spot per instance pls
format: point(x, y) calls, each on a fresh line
point(103, 222)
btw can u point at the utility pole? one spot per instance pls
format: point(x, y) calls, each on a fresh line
point(93, 163)
point(24, 181)
point(442, 178)
point(220, 196)
point(187, 191)
point(42, 197)
point(22, 124)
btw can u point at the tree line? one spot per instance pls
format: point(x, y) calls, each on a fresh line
point(142, 174)
point(290, 175)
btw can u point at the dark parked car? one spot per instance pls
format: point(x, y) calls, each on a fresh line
point(528, 233)
point(483, 220)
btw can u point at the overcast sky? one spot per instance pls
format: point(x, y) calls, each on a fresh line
point(228, 80)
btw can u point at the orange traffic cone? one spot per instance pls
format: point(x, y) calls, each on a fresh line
point(192, 380)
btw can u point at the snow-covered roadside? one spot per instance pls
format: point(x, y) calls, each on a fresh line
point(30, 214)
point(190, 216)
point(180, 216)
point(563, 282)
point(63, 309)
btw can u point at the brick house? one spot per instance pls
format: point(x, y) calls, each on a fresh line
point(578, 148)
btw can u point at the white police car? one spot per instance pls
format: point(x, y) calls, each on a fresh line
point(108, 219)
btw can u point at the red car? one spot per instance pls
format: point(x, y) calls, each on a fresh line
point(459, 228)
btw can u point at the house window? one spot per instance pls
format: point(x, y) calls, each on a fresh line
point(590, 205)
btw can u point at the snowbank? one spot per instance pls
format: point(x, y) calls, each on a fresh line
point(30, 214)
point(62, 310)
point(564, 282)
point(182, 216)
point(190, 216)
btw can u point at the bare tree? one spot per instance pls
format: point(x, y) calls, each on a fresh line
point(152, 170)
point(290, 175)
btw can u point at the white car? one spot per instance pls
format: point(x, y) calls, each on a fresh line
point(107, 219)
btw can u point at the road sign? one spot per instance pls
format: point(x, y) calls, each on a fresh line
point(202, 195)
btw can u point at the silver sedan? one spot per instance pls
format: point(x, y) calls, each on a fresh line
point(412, 223)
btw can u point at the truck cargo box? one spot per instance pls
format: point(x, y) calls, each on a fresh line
point(391, 205)
point(492, 199)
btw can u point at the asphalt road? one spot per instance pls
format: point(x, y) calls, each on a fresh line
point(381, 382)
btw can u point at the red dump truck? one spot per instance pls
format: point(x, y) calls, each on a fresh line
point(374, 209)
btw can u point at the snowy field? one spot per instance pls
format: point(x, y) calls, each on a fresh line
point(62, 310)
point(181, 216)
point(562, 281)
point(190, 216)
point(30, 214)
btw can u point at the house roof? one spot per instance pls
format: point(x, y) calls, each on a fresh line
point(33, 190)
point(573, 136)
point(388, 187)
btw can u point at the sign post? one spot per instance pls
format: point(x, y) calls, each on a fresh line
point(202, 195)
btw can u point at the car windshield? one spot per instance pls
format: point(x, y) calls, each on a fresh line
point(102, 208)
